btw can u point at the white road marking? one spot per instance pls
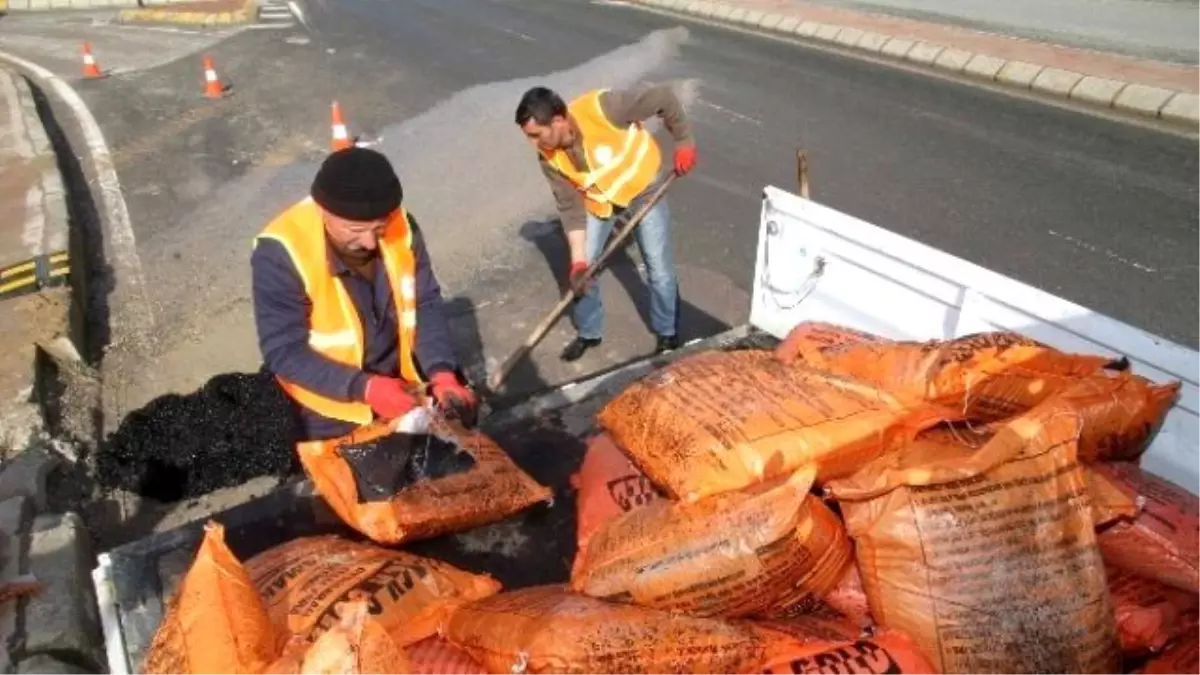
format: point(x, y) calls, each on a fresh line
point(518, 34)
point(120, 244)
point(299, 14)
point(17, 119)
point(1111, 255)
point(732, 113)
point(34, 231)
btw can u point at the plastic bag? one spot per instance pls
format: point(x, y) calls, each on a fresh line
point(765, 548)
point(608, 485)
point(985, 376)
point(215, 623)
point(1148, 614)
point(1162, 542)
point(462, 495)
point(547, 629)
point(987, 556)
point(720, 421)
point(435, 655)
point(306, 584)
point(888, 652)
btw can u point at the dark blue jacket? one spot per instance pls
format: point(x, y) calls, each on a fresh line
point(281, 311)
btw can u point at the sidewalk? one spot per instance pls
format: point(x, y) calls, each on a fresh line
point(1149, 88)
point(1144, 29)
point(199, 13)
point(33, 202)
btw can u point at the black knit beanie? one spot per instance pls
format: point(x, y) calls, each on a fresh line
point(357, 184)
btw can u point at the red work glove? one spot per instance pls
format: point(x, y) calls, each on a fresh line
point(576, 277)
point(685, 159)
point(454, 399)
point(388, 397)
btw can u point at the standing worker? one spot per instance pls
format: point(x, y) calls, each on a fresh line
point(349, 313)
point(601, 162)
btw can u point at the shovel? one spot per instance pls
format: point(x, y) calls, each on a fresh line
point(497, 378)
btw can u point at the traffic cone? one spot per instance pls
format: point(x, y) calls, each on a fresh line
point(212, 83)
point(90, 69)
point(341, 137)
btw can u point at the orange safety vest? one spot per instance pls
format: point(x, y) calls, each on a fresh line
point(335, 328)
point(621, 163)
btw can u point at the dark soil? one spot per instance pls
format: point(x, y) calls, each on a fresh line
point(236, 427)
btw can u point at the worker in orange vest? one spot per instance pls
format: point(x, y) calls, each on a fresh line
point(349, 313)
point(600, 162)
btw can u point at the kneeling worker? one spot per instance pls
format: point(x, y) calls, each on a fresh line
point(349, 313)
point(600, 162)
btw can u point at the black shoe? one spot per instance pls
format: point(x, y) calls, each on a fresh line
point(666, 343)
point(576, 348)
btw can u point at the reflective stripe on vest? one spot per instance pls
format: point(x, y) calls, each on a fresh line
point(622, 163)
point(335, 328)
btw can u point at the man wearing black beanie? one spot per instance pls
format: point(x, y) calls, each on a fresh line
point(350, 316)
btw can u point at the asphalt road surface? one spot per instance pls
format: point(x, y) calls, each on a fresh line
point(1100, 212)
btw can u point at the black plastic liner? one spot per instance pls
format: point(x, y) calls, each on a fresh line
point(386, 465)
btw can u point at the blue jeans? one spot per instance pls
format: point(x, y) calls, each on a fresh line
point(654, 240)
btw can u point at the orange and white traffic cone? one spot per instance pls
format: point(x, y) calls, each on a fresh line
point(212, 83)
point(90, 69)
point(341, 137)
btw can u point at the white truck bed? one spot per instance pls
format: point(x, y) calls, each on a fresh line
point(814, 263)
point(819, 264)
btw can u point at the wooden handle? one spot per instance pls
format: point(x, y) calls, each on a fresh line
point(497, 378)
point(802, 172)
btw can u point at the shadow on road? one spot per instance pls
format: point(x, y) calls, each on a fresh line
point(691, 321)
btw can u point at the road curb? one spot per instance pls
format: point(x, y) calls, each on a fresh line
point(248, 13)
point(1173, 106)
point(111, 287)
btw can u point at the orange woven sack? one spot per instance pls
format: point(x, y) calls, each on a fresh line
point(492, 488)
point(435, 655)
point(1110, 500)
point(1162, 542)
point(215, 623)
point(1182, 656)
point(810, 341)
point(307, 582)
point(735, 554)
point(720, 421)
point(821, 624)
point(889, 652)
point(944, 534)
point(358, 645)
point(1148, 614)
point(1121, 412)
point(608, 485)
point(986, 376)
point(547, 629)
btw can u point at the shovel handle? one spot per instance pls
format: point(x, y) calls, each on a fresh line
point(497, 378)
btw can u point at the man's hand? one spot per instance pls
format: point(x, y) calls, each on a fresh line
point(454, 399)
point(388, 397)
point(575, 278)
point(685, 158)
